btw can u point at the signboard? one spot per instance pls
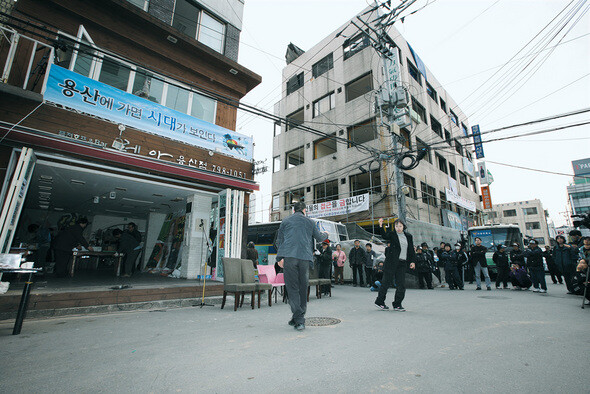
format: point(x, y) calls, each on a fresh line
point(487, 197)
point(81, 93)
point(460, 201)
point(468, 167)
point(339, 207)
point(453, 185)
point(581, 166)
point(477, 142)
point(482, 172)
point(452, 219)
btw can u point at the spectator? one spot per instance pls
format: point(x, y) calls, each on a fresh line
point(67, 239)
point(252, 254)
point(450, 261)
point(580, 280)
point(576, 238)
point(356, 259)
point(423, 268)
point(462, 259)
point(441, 266)
point(377, 276)
point(565, 257)
point(502, 264)
point(519, 278)
point(339, 258)
point(585, 250)
point(553, 270)
point(369, 263)
point(479, 261)
point(325, 262)
point(516, 256)
point(534, 259)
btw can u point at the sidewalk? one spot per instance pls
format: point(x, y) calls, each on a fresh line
point(447, 342)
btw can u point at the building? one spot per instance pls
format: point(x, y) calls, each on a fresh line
point(529, 216)
point(333, 88)
point(122, 111)
point(579, 191)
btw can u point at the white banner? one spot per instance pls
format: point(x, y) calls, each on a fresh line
point(460, 201)
point(339, 207)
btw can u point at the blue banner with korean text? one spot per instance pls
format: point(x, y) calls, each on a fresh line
point(477, 142)
point(81, 93)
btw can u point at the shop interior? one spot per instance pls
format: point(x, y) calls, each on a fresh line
point(60, 193)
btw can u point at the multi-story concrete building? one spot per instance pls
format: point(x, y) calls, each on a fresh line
point(332, 88)
point(579, 191)
point(529, 216)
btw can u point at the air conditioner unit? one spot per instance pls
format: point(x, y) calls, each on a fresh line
point(414, 116)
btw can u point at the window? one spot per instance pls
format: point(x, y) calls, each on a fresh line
point(355, 44)
point(443, 105)
point(580, 195)
point(324, 104)
point(294, 158)
point(435, 126)
point(186, 17)
point(533, 225)
point(463, 179)
point(295, 119)
point(468, 155)
point(114, 74)
point(414, 72)
point(454, 118)
point(211, 32)
point(411, 183)
point(293, 196)
point(493, 215)
point(362, 132)
point(276, 203)
point(443, 201)
point(359, 87)
point(424, 192)
point(276, 164)
point(464, 129)
point(540, 240)
point(509, 213)
point(148, 86)
point(177, 98)
point(458, 147)
point(203, 107)
point(325, 64)
point(473, 185)
point(452, 171)
point(361, 183)
point(530, 211)
point(277, 128)
point(428, 194)
point(406, 139)
point(325, 191)
point(442, 163)
point(294, 83)
point(143, 4)
point(448, 137)
point(416, 106)
point(431, 92)
point(324, 147)
point(422, 145)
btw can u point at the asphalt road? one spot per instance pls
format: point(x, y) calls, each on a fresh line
point(447, 342)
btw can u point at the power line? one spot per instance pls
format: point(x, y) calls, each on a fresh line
point(537, 170)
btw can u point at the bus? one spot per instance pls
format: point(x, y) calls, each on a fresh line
point(263, 235)
point(494, 235)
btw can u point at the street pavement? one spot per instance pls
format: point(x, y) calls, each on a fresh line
point(447, 342)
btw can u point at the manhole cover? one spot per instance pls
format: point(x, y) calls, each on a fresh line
point(321, 321)
point(494, 297)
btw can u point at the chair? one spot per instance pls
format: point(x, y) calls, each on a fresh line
point(249, 277)
point(314, 281)
point(267, 274)
point(232, 281)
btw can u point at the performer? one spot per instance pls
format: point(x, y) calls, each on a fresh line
point(396, 263)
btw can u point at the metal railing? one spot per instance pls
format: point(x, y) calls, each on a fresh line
point(16, 50)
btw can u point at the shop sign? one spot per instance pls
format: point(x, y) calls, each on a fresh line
point(477, 142)
point(184, 160)
point(452, 219)
point(460, 201)
point(342, 206)
point(81, 93)
point(486, 197)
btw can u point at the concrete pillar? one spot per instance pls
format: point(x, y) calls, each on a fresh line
point(194, 248)
point(153, 227)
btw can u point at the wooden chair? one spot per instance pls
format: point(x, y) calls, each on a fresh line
point(232, 282)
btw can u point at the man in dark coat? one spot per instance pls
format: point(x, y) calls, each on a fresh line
point(553, 271)
point(325, 263)
point(480, 262)
point(68, 239)
point(423, 268)
point(500, 258)
point(127, 245)
point(357, 258)
point(294, 255)
point(252, 254)
point(516, 256)
point(401, 256)
point(534, 259)
point(369, 263)
point(565, 257)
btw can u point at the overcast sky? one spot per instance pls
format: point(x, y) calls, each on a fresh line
point(463, 43)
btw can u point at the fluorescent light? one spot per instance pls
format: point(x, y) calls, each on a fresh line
point(45, 187)
point(77, 182)
point(113, 211)
point(135, 200)
point(46, 177)
point(122, 189)
point(58, 209)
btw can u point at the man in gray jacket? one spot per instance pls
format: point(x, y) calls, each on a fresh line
point(294, 254)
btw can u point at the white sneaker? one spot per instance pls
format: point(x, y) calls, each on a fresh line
point(542, 291)
point(535, 290)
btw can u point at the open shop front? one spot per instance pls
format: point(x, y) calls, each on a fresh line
point(185, 228)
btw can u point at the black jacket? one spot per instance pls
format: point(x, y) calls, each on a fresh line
point(501, 261)
point(448, 259)
point(69, 238)
point(392, 260)
point(423, 263)
point(462, 258)
point(357, 256)
point(252, 254)
point(517, 257)
point(478, 255)
point(325, 257)
point(534, 257)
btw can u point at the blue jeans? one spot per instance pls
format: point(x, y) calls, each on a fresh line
point(486, 275)
point(538, 277)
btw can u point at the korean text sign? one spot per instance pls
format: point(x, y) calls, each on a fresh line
point(339, 207)
point(477, 142)
point(81, 93)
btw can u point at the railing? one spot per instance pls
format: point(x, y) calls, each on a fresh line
point(16, 50)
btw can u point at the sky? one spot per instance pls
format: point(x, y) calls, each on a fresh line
point(463, 43)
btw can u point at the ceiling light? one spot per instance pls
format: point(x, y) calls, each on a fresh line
point(46, 182)
point(135, 200)
point(45, 194)
point(46, 177)
point(122, 189)
point(58, 209)
point(77, 182)
point(43, 206)
point(45, 187)
point(113, 211)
